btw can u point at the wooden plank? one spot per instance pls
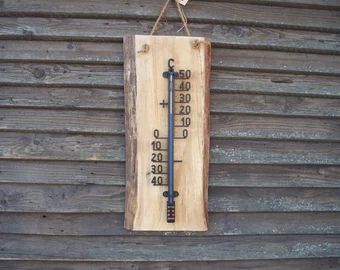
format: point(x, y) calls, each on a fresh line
point(275, 61)
point(112, 53)
point(156, 248)
point(102, 122)
point(221, 175)
point(76, 75)
point(62, 74)
point(63, 172)
point(273, 152)
point(61, 147)
point(276, 105)
point(112, 99)
point(98, 224)
point(273, 176)
point(103, 173)
point(103, 199)
point(274, 127)
point(314, 4)
point(42, 146)
point(271, 199)
point(274, 83)
point(61, 51)
point(62, 97)
point(130, 95)
point(222, 125)
point(215, 12)
point(276, 264)
point(221, 35)
point(68, 198)
point(146, 208)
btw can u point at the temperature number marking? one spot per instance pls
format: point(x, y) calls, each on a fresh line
point(157, 169)
point(183, 99)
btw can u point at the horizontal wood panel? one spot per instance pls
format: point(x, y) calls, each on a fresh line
point(275, 83)
point(275, 61)
point(43, 146)
point(77, 75)
point(220, 102)
point(63, 97)
point(273, 264)
point(113, 173)
point(105, 122)
point(221, 35)
point(62, 172)
point(91, 198)
point(112, 53)
point(273, 152)
point(272, 127)
point(62, 74)
point(220, 12)
point(222, 125)
point(219, 224)
point(315, 4)
point(155, 248)
point(242, 175)
point(62, 51)
point(94, 98)
point(276, 105)
point(274, 170)
point(61, 147)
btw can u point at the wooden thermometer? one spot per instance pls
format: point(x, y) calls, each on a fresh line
point(167, 132)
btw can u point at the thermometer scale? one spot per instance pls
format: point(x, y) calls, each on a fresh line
point(184, 114)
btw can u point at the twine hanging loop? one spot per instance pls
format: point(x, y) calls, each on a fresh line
point(181, 15)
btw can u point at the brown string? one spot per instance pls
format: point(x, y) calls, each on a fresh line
point(181, 14)
point(183, 18)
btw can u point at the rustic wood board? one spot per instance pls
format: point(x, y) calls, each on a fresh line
point(160, 248)
point(273, 264)
point(146, 58)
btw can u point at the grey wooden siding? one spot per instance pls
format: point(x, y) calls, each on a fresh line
point(274, 187)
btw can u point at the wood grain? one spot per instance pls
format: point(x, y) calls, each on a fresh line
point(63, 172)
point(144, 115)
point(112, 53)
point(62, 97)
point(273, 127)
point(104, 199)
point(155, 248)
point(273, 264)
point(131, 128)
point(41, 146)
point(61, 147)
point(250, 37)
point(99, 224)
point(62, 75)
point(221, 175)
point(275, 105)
point(63, 121)
point(273, 152)
point(104, 76)
point(223, 125)
point(112, 99)
point(241, 175)
point(314, 4)
point(274, 179)
point(215, 12)
point(274, 83)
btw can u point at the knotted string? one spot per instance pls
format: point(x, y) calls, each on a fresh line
point(181, 14)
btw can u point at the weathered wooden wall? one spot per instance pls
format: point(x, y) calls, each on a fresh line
point(274, 195)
